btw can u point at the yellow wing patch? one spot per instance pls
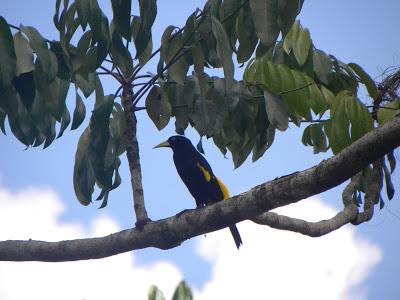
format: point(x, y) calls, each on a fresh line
point(223, 187)
point(206, 174)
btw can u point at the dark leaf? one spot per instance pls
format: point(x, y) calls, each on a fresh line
point(224, 51)
point(121, 17)
point(7, 55)
point(265, 21)
point(83, 10)
point(121, 56)
point(25, 86)
point(277, 111)
point(65, 120)
point(47, 59)
point(148, 12)
point(86, 85)
point(158, 107)
point(79, 112)
point(83, 174)
point(388, 180)
point(99, 138)
point(245, 34)
point(381, 202)
point(392, 161)
point(2, 120)
point(178, 69)
point(199, 145)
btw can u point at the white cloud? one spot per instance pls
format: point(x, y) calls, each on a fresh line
point(271, 264)
point(284, 265)
point(34, 213)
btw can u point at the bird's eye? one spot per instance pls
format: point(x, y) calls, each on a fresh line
point(173, 138)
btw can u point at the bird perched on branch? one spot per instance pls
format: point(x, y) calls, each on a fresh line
point(198, 176)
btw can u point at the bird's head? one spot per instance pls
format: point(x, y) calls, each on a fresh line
point(176, 142)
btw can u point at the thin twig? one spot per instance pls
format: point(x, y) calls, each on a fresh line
point(112, 74)
point(295, 90)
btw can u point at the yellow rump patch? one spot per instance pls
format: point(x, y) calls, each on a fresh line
point(206, 174)
point(223, 187)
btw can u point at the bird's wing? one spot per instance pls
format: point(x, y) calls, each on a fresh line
point(216, 189)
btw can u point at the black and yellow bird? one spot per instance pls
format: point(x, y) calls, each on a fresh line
point(198, 176)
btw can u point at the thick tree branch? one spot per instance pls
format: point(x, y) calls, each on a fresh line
point(132, 153)
point(316, 229)
point(170, 232)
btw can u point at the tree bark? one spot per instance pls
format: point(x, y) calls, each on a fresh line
point(132, 153)
point(171, 232)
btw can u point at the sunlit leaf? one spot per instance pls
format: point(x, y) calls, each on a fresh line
point(24, 54)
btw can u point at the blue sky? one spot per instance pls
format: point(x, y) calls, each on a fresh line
point(354, 31)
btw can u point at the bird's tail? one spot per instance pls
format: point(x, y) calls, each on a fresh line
point(236, 235)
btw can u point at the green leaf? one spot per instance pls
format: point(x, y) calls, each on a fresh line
point(277, 111)
point(198, 58)
point(47, 59)
point(388, 180)
point(24, 54)
point(178, 69)
point(359, 117)
point(298, 39)
point(338, 135)
point(158, 107)
point(146, 54)
point(288, 10)
point(83, 178)
point(135, 25)
point(79, 112)
point(392, 161)
point(94, 18)
point(265, 21)
point(121, 17)
point(99, 138)
point(86, 85)
point(224, 51)
point(148, 12)
point(65, 120)
point(182, 292)
point(388, 112)
point(83, 10)
point(318, 138)
point(120, 54)
point(2, 120)
point(366, 80)
point(323, 66)
point(155, 293)
point(246, 34)
point(7, 55)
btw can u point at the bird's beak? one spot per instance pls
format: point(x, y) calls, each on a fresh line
point(163, 144)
